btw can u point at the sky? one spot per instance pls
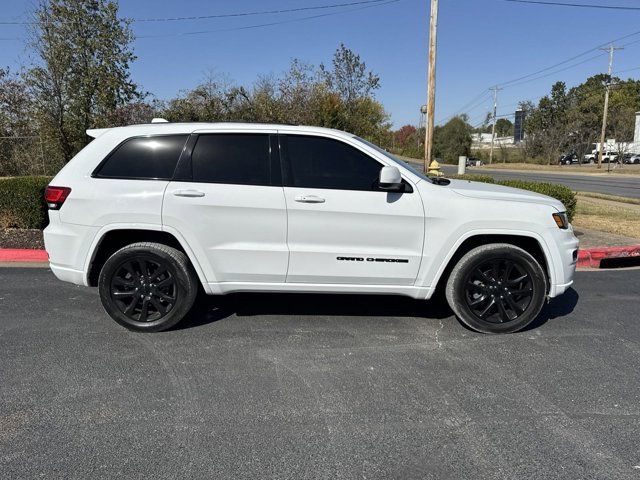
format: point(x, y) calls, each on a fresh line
point(481, 43)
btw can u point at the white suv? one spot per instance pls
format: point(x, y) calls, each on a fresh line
point(151, 213)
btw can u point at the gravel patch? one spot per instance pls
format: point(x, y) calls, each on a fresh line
point(21, 238)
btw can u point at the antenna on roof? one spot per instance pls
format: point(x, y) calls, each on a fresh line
point(159, 120)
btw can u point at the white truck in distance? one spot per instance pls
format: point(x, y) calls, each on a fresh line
point(152, 213)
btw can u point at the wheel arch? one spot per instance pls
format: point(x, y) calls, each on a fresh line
point(111, 239)
point(528, 242)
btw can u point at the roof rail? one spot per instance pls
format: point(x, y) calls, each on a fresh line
point(159, 120)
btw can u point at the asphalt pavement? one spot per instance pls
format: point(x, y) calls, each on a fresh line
point(302, 386)
point(625, 186)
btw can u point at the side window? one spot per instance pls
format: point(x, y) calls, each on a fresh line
point(234, 158)
point(317, 162)
point(150, 158)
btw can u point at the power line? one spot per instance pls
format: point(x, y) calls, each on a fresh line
point(378, 3)
point(626, 70)
point(471, 105)
point(575, 57)
point(232, 15)
point(270, 24)
point(579, 5)
point(555, 71)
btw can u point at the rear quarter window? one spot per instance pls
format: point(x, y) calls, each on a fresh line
point(146, 158)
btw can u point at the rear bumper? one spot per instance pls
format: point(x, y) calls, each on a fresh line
point(68, 274)
point(68, 246)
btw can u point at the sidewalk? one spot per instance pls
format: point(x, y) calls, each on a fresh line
point(595, 239)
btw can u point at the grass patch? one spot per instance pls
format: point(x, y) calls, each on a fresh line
point(573, 169)
point(595, 214)
point(612, 198)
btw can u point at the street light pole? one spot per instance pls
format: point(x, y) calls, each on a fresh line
point(431, 84)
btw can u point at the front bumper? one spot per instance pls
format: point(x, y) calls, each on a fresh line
point(563, 247)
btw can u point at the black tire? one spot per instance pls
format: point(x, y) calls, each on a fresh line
point(147, 287)
point(501, 278)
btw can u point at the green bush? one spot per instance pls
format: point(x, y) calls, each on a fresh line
point(559, 192)
point(473, 178)
point(22, 202)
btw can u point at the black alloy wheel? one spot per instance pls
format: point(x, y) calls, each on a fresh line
point(144, 289)
point(148, 287)
point(499, 290)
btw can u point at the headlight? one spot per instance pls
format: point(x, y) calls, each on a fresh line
point(561, 220)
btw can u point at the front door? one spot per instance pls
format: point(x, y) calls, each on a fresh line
point(342, 229)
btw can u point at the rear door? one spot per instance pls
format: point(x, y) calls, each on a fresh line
point(342, 228)
point(227, 201)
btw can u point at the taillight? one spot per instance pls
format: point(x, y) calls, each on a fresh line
point(55, 196)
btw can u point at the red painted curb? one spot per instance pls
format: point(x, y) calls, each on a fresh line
point(22, 255)
point(588, 258)
point(591, 257)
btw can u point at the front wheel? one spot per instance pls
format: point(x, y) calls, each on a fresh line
point(147, 287)
point(497, 288)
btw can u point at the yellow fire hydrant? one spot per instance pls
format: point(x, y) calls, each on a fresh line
point(434, 169)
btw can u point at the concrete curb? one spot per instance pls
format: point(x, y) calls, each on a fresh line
point(591, 257)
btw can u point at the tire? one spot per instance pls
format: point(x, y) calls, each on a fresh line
point(501, 278)
point(147, 287)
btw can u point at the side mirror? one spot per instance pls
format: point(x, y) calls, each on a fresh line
point(390, 179)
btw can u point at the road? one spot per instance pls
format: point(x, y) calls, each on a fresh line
point(286, 386)
point(612, 185)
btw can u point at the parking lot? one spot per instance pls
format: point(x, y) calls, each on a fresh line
point(301, 386)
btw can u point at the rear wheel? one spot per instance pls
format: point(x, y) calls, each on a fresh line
point(147, 287)
point(497, 288)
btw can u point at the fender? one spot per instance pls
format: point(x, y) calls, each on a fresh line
point(149, 227)
point(423, 277)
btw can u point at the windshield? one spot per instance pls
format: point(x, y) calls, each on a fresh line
point(393, 158)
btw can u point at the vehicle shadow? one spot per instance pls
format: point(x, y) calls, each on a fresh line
point(210, 309)
point(556, 307)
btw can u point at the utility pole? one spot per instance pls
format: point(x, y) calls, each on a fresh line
point(495, 90)
point(603, 133)
point(431, 84)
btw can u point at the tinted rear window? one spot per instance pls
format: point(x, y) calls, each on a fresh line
point(241, 159)
point(144, 158)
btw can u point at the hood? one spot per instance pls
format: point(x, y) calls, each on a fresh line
point(491, 191)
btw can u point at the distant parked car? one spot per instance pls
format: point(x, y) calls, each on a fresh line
point(474, 162)
point(606, 157)
point(590, 157)
point(631, 158)
point(568, 158)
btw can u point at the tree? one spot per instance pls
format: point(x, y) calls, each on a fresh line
point(403, 135)
point(504, 127)
point(82, 75)
point(547, 124)
point(349, 76)
point(339, 97)
point(20, 147)
point(452, 140)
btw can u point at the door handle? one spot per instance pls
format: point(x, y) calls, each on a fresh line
point(309, 199)
point(188, 193)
